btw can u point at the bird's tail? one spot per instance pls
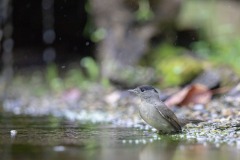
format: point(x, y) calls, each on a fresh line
point(184, 121)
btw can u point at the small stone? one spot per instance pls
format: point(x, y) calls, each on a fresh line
point(216, 120)
point(144, 141)
point(136, 141)
point(59, 148)
point(13, 133)
point(198, 107)
point(226, 112)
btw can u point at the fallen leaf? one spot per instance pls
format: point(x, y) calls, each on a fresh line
point(192, 94)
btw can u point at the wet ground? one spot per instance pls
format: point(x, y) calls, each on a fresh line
point(48, 137)
point(99, 122)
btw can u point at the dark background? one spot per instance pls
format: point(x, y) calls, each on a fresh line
point(70, 20)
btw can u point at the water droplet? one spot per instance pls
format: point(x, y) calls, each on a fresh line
point(8, 45)
point(13, 133)
point(49, 36)
point(49, 54)
point(136, 141)
point(59, 148)
point(144, 141)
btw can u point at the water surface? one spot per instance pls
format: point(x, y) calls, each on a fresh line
point(53, 138)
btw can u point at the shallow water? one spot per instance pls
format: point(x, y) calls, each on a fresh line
point(54, 138)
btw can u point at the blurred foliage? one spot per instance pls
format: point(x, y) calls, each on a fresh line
point(217, 23)
point(220, 53)
point(215, 20)
point(52, 77)
point(98, 35)
point(90, 30)
point(91, 67)
point(75, 78)
point(87, 74)
point(37, 83)
point(54, 80)
point(144, 12)
point(172, 65)
point(219, 43)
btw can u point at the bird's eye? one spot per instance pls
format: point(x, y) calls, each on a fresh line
point(142, 89)
point(146, 88)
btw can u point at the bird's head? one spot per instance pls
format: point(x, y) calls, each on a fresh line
point(145, 91)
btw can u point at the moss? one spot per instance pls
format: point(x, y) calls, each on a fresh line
point(91, 67)
point(144, 12)
point(220, 53)
point(53, 79)
point(177, 71)
point(220, 42)
point(173, 67)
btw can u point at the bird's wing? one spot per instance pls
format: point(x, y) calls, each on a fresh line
point(168, 115)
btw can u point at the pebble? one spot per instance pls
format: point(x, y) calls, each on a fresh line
point(198, 107)
point(226, 112)
point(13, 133)
point(59, 148)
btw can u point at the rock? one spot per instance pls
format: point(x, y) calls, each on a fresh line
point(209, 78)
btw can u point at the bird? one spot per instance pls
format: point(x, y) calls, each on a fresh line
point(155, 113)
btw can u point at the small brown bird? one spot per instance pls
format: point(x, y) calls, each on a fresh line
point(154, 112)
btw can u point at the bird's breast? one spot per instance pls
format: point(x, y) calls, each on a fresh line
point(151, 115)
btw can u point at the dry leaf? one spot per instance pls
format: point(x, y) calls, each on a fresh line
point(192, 94)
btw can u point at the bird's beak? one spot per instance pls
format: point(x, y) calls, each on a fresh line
point(132, 91)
